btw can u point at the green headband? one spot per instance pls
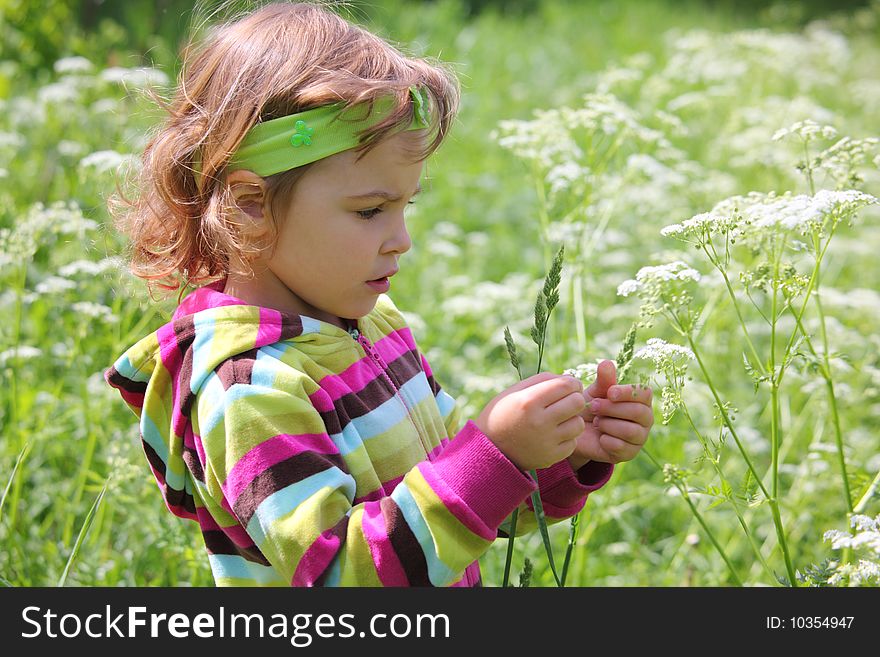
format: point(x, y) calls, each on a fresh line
point(292, 141)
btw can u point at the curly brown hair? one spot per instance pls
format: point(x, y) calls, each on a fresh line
point(276, 60)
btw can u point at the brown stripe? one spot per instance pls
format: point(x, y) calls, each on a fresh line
point(405, 544)
point(179, 498)
point(237, 369)
point(185, 335)
point(154, 459)
point(432, 382)
point(291, 326)
point(281, 475)
point(403, 368)
point(191, 458)
point(116, 379)
point(172, 496)
point(217, 542)
point(357, 404)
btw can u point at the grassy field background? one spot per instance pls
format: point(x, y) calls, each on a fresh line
point(707, 85)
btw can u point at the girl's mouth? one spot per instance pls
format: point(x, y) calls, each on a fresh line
point(380, 284)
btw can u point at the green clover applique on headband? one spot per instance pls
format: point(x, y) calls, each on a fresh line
point(292, 141)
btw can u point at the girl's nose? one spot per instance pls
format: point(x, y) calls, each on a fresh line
point(400, 242)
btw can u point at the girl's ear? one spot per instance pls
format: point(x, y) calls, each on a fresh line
point(251, 211)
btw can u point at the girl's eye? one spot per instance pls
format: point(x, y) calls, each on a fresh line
point(372, 212)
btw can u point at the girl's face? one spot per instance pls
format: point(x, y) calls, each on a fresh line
point(344, 226)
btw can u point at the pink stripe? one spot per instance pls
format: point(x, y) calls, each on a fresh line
point(171, 361)
point(269, 331)
point(133, 398)
point(377, 494)
point(470, 577)
point(439, 448)
point(200, 449)
point(269, 452)
point(394, 344)
point(391, 484)
point(322, 402)
point(203, 298)
point(426, 367)
point(188, 440)
point(361, 373)
point(317, 558)
point(455, 505)
point(386, 561)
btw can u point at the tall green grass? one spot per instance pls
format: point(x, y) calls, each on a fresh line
point(79, 505)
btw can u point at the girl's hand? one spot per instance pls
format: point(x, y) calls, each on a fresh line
point(618, 427)
point(536, 422)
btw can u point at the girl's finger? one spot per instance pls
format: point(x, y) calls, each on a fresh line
point(632, 411)
point(606, 376)
point(630, 432)
point(618, 449)
point(639, 394)
point(566, 408)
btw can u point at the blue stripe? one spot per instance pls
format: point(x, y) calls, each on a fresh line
point(220, 400)
point(153, 437)
point(201, 348)
point(310, 325)
point(439, 573)
point(265, 370)
point(445, 403)
point(234, 566)
point(125, 368)
point(416, 389)
point(284, 501)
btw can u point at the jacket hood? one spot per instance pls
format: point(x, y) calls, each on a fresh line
point(160, 376)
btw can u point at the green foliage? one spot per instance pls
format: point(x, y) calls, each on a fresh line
point(70, 308)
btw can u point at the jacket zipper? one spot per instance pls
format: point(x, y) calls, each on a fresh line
point(377, 359)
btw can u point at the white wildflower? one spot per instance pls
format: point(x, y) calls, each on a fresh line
point(70, 148)
point(447, 230)
point(64, 92)
point(102, 161)
point(138, 78)
point(657, 276)
point(94, 311)
point(89, 267)
point(77, 64)
point(586, 372)
point(567, 176)
point(663, 353)
point(443, 248)
point(54, 285)
point(21, 352)
point(11, 140)
point(670, 360)
point(807, 131)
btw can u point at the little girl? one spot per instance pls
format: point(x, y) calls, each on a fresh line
point(286, 407)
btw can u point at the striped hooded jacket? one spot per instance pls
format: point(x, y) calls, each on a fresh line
point(311, 455)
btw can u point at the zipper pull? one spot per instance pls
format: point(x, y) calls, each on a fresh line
point(353, 332)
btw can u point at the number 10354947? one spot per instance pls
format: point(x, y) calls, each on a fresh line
point(809, 622)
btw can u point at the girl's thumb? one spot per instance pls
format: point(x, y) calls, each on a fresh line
point(605, 378)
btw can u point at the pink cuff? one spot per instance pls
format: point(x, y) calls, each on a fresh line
point(564, 491)
point(482, 477)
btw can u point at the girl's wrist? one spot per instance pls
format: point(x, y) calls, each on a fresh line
point(576, 463)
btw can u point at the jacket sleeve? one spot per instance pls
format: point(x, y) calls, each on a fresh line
point(563, 491)
point(269, 459)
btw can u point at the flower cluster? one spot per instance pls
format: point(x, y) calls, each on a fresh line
point(756, 215)
point(866, 537)
point(671, 360)
point(662, 288)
